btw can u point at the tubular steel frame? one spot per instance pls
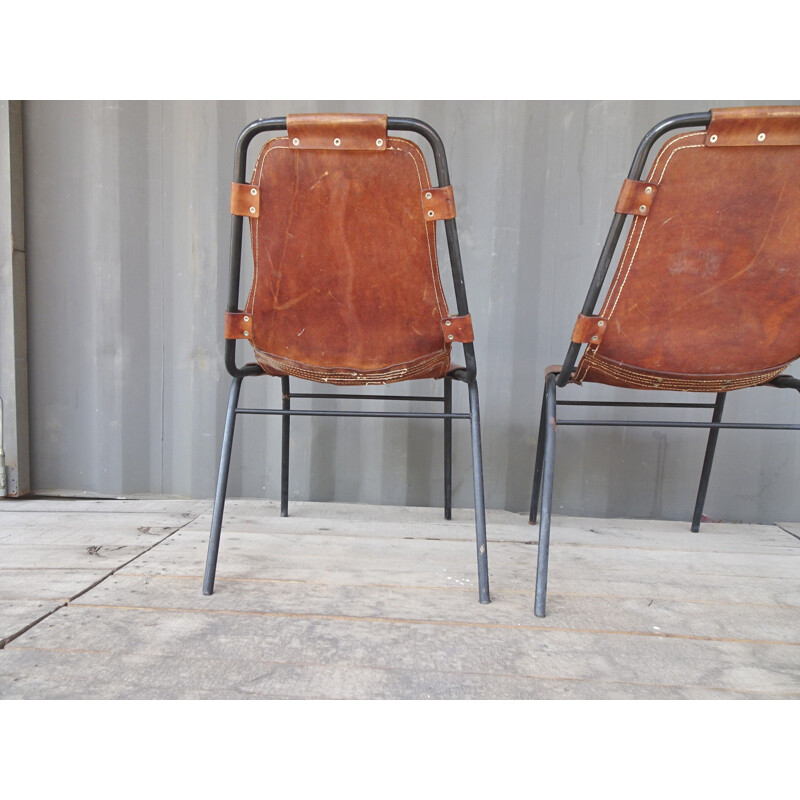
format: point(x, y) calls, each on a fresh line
point(549, 420)
point(466, 375)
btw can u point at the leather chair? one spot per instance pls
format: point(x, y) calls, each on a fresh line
point(346, 287)
point(706, 293)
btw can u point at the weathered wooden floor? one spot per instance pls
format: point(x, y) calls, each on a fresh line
point(102, 599)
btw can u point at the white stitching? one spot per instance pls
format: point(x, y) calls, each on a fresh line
point(415, 155)
point(653, 170)
point(434, 262)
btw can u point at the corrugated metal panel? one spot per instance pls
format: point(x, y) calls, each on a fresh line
point(127, 222)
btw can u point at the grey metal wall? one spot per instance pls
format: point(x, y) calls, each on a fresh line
point(127, 236)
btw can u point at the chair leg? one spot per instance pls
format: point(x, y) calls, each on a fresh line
point(547, 494)
point(537, 470)
point(222, 487)
point(713, 433)
point(448, 449)
point(286, 405)
point(477, 479)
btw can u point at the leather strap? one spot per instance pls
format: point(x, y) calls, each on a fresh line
point(458, 329)
point(589, 330)
point(635, 197)
point(238, 325)
point(439, 203)
point(754, 127)
point(245, 200)
point(337, 131)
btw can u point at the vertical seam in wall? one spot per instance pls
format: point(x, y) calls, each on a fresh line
point(161, 274)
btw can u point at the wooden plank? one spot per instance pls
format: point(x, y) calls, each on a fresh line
point(149, 505)
point(427, 647)
point(107, 528)
point(26, 674)
point(792, 528)
point(47, 584)
point(419, 561)
point(20, 556)
point(722, 621)
point(650, 535)
point(16, 616)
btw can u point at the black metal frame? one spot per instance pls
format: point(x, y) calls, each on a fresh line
point(549, 421)
point(466, 375)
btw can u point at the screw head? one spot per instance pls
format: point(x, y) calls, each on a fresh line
point(295, 141)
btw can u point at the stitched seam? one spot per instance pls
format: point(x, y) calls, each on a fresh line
point(591, 350)
point(434, 262)
point(644, 380)
point(644, 219)
point(353, 377)
point(671, 145)
point(638, 219)
point(432, 256)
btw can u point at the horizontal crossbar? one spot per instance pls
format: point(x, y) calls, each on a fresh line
point(663, 424)
point(367, 396)
point(312, 413)
point(631, 405)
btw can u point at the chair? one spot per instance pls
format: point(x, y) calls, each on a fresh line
point(706, 293)
point(346, 287)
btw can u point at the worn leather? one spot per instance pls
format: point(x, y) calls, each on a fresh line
point(346, 285)
point(245, 200)
point(707, 292)
point(589, 329)
point(458, 329)
point(635, 197)
point(337, 131)
point(439, 203)
point(765, 126)
point(238, 325)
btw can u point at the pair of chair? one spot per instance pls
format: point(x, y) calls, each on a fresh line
point(346, 287)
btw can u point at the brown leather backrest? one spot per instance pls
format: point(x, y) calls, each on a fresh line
point(707, 292)
point(346, 285)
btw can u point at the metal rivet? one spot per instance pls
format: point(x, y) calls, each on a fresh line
point(337, 142)
point(295, 141)
point(712, 138)
point(430, 213)
point(247, 333)
point(594, 338)
point(246, 319)
point(648, 190)
point(252, 209)
point(762, 136)
point(379, 142)
point(254, 191)
point(642, 209)
point(451, 337)
point(428, 195)
point(600, 324)
point(448, 322)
